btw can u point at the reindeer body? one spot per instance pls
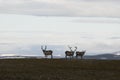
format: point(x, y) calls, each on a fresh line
point(70, 53)
point(47, 52)
point(80, 53)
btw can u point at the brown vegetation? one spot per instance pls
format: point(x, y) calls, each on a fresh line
point(59, 69)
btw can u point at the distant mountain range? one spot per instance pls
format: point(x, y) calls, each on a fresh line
point(105, 56)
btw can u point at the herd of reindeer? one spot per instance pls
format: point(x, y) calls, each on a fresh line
point(69, 53)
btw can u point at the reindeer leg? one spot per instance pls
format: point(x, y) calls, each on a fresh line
point(72, 56)
point(81, 57)
point(65, 56)
point(46, 56)
point(51, 56)
point(76, 56)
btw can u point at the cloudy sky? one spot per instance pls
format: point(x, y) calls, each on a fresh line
point(106, 8)
point(92, 25)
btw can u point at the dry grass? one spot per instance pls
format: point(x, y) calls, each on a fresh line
point(59, 69)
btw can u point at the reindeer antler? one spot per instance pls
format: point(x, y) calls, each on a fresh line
point(70, 47)
point(45, 47)
point(75, 48)
point(42, 47)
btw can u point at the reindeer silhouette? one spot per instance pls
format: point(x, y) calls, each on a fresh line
point(70, 53)
point(47, 52)
point(80, 53)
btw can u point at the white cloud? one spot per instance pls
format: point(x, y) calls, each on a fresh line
point(8, 54)
point(104, 8)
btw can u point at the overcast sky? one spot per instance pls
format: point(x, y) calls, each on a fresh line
point(94, 34)
point(105, 8)
point(92, 25)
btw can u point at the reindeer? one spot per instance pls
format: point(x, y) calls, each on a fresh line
point(80, 53)
point(70, 53)
point(47, 52)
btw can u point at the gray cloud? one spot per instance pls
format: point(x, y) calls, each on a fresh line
point(114, 38)
point(98, 20)
point(2, 44)
point(104, 8)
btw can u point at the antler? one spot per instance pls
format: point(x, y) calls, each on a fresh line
point(75, 48)
point(45, 47)
point(70, 47)
point(42, 47)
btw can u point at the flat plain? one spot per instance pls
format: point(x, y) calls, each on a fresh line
point(59, 69)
